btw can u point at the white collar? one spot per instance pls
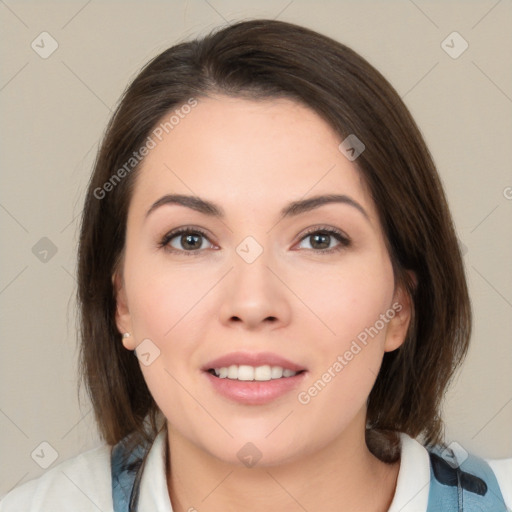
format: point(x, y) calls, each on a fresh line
point(154, 494)
point(411, 494)
point(413, 483)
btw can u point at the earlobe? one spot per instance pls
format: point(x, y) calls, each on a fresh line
point(123, 319)
point(128, 341)
point(403, 308)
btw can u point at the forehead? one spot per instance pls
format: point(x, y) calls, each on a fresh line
point(247, 153)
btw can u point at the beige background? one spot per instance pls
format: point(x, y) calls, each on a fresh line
point(54, 112)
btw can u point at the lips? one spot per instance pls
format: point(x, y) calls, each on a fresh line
point(254, 360)
point(230, 376)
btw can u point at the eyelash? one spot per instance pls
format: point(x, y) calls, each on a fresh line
point(343, 240)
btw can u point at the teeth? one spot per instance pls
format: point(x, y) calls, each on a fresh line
point(259, 373)
point(245, 372)
point(263, 373)
point(276, 372)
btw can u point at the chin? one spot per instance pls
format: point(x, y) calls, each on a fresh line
point(255, 447)
point(256, 455)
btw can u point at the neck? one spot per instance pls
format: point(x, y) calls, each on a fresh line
point(343, 476)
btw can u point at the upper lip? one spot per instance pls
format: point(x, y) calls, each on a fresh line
point(252, 359)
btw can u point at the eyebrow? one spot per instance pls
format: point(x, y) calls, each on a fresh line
point(290, 210)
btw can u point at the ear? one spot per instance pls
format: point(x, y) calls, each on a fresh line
point(403, 307)
point(123, 319)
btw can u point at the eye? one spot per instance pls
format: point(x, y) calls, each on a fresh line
point(185, 240)
point(190, 240)
point(320, 240)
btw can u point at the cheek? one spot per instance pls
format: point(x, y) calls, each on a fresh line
point(164, 298)
point(351, 298)
point(348, 359)
point(166, 308)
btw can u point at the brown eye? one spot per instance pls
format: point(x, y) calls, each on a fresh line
point(185, 240)
point(320, 240)
point(190, 241)
point(326, 240)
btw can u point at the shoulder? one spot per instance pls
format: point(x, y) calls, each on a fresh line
point(83, 481)
point(502, 468)
point(461, 476)
point(428, 480)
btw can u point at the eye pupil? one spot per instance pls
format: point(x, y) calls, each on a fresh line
point(323, 240)
point(189, 241)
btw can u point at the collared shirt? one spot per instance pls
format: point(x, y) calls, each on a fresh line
point(83, 483)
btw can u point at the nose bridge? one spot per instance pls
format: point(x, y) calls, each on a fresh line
point(251, 267)
point(254, 294)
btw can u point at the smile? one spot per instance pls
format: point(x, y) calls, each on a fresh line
point(256, 373)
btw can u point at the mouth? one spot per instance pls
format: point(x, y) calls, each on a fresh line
point(253, 378)
point(245, 372)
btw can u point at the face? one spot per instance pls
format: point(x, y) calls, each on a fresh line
point(235, 282)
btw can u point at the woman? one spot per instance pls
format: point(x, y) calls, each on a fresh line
point(272, 296)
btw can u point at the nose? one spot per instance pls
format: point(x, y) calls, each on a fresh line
point(254, 296)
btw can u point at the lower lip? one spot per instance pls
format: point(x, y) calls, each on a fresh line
point(254, 392)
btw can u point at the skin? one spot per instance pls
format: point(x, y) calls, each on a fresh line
point(252, 158)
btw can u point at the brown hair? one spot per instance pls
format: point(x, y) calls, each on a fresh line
point(261, 59)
